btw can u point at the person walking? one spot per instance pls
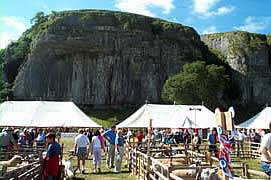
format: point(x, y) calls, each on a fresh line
point(187, 138)
point(241, 140)
point(80, 149)
point(265, 150)
point(96, 150)
point(51, 160)
point(211, 138)
point(110, 136)
point(119, 145)
point(196, 142)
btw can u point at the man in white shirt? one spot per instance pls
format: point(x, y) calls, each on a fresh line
point(240, 142)
point(80, 148)
point(266, 153)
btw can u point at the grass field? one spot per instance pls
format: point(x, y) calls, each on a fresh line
point(107, 174)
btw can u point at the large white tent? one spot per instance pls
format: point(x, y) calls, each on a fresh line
point(259, 121)
point(170, 116)
point(43, 114)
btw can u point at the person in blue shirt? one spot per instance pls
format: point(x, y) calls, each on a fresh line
point(110, 136)
point(119, 149)
point(52, 158)
point(211, 138)
point(21, 140)
point(40, 141)
point(169, 139)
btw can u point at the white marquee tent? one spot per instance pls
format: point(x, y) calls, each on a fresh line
point(259, 121)
point(171, 116)
point(43, 114)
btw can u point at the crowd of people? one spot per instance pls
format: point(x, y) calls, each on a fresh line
point(111, 141)
point(23, 138)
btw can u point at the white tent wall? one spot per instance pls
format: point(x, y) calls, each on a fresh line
point(43, 114)
point(170, 116)
point(259, 121)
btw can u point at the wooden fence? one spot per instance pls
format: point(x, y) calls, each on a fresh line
point(30, 171)
point(246, 150)
point(23, 152)
point(32, 168)
point(137, 160)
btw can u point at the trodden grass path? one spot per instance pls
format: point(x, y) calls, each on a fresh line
point(106, 174)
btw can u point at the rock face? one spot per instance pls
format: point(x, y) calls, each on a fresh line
point(104, 58)
point(249, 56)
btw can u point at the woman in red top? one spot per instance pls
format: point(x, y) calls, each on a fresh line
point(51, 160)
point(139, 137)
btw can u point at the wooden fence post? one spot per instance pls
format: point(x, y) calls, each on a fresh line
point(246, 170)
point(148, 149)
point(4, 171)
point(250, 150)
point(169, 169)
point(136, 162)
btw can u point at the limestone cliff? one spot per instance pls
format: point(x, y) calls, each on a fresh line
point(249, 56)
point(104, 57)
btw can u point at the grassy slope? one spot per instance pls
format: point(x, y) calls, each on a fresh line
point(107, 118)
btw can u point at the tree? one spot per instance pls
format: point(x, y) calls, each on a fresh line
point(198, 82)
point(39, 18)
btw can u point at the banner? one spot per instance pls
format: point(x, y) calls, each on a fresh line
point(68, 135)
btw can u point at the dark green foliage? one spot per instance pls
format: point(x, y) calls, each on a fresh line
point(268, 38)
point(39, 18)
point(198, 82)
point(6, 90)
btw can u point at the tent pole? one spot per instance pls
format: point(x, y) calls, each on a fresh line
point(148, 148)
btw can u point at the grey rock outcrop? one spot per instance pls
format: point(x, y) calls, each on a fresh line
point(105, 58)
point(249, 56)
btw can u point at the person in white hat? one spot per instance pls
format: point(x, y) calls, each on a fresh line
point(21, 141)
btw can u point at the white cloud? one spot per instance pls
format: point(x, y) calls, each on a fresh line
point(14, 22)
point(209, 30)
point(143, 6)
point(205, 8)
point(224, 10)
point(253, 24)
point(6, 38)
point(12, 28)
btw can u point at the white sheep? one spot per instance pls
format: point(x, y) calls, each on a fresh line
point(13, 162)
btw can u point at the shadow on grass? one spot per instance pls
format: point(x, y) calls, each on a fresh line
point(105, 173)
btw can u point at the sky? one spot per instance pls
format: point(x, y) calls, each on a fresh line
point(205, 16)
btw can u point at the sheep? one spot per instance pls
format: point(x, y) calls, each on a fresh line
point(174, 161)
point(13, 162)
point(209, 174)
point(69, 172)
point(186, 173)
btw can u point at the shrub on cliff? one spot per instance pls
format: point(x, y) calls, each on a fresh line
point(196, 83)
